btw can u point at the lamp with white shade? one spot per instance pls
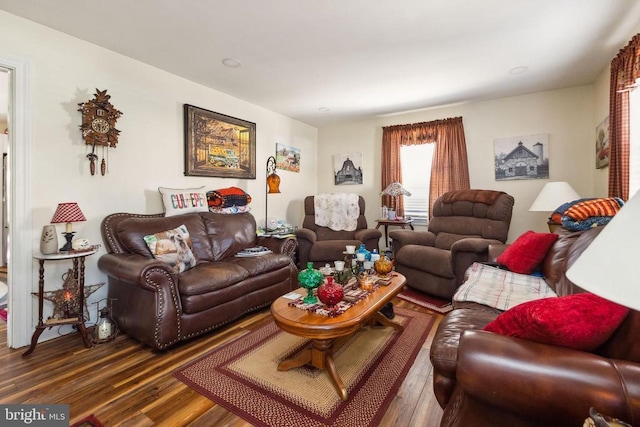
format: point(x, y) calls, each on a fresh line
point(609, 266)
point(553, 195)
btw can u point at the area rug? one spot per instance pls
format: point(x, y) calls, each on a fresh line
point(242, 376)
point(90, 421)
point(438, 305)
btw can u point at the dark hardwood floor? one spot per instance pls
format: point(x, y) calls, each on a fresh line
point(127, 384)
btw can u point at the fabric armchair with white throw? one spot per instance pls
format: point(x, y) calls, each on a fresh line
point(332, 221)
point(464, 224)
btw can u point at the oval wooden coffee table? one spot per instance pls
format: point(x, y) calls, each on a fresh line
point(326, 333)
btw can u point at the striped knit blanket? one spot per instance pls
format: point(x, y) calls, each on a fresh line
point(501, 289)
point(608, 206)
point(583, 214)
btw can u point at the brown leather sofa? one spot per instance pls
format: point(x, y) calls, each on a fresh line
point(161, 308)
point(322, 245)
point(485, 379)
point(463, 225)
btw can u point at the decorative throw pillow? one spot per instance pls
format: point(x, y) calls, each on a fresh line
point(179, 201)
point(528, 250)
point(228, 197)
point(580, 321)
point(173, 247)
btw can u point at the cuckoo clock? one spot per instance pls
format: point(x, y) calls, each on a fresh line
point(99, 127)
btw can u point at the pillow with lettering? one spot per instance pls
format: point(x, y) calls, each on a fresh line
point(178, 201)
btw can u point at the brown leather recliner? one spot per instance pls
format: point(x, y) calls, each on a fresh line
point(322, 245)
point(463, 225)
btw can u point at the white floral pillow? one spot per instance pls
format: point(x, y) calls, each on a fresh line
point(179, 201)
point(173, 247)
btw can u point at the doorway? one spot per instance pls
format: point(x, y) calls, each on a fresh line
point(17, 203)
point(4, 144)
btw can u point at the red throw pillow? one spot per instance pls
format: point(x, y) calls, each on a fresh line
point(581, 321)
point(524, 255)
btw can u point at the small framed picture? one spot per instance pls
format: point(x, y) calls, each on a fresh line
point(347, 168)
point(288, 158)
point(602, 144)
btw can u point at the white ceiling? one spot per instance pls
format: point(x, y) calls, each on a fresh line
point(356, 58)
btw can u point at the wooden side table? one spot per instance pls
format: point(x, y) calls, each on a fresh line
point(402, 223)
point(78, 274)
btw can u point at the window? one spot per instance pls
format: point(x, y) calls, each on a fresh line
point(416, 177)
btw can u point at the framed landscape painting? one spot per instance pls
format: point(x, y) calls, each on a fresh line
point(288, 158)
point(217, 145)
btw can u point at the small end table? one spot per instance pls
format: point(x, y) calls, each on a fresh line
point(402, 223)
point(78, 273)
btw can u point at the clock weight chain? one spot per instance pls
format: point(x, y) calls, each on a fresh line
point(92, 160)
point(103, 164)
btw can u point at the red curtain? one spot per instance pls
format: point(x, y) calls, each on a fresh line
point(625, 69)
point(449, 169)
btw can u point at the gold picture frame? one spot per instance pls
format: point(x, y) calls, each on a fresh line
point(217, 145)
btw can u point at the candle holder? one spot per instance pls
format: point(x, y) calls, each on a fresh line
point(341, 275)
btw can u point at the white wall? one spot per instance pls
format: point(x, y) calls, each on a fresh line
point(566, 115)
point(66, 71)
point(601, 111)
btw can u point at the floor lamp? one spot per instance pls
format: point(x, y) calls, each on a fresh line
point(273, 186)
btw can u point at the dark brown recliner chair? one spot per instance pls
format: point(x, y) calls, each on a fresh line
point(463, 225)
point(322, 245)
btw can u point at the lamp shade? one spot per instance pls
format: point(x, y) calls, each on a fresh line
point(68, 212)
point(395, 189)
point(273, 183)
point(552, 195)
point(609, 266)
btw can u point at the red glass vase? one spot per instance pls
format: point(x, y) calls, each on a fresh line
point(330, 292)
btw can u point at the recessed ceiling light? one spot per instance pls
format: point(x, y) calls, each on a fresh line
point(230, 62)
point(518, 70)
point(323, 109)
